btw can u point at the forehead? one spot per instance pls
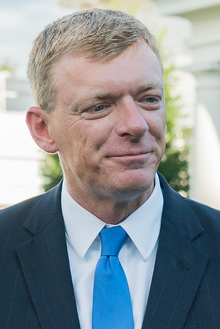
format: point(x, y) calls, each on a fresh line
point(136, 66)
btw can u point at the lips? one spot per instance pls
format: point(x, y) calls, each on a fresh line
point(129, 154)
point(132, 159)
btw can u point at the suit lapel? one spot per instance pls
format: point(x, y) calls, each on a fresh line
point(179, 265)
point(45, 265)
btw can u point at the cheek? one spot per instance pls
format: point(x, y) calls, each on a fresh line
point(157, 126)
point(84, 141)
point(98, 134)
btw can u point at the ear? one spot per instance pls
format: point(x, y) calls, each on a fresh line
point(38, 124)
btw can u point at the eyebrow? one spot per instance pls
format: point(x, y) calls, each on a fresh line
point(149, 86)
point(140, 89)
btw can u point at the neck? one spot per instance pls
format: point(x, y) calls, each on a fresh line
point(111, 210)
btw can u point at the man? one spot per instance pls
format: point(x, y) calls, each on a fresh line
point(97, 78)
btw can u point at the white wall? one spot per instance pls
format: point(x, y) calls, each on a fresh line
point(19, 155)
point(204, 47)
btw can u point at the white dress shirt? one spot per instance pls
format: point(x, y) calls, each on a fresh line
point(137, 256)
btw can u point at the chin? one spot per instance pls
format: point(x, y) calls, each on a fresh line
point(135, 185)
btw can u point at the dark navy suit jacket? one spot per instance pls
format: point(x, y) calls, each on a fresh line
point(36, 290)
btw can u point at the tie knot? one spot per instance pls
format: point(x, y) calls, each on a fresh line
point(113, 239)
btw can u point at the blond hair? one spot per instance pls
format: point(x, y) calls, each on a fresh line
point(93, 33)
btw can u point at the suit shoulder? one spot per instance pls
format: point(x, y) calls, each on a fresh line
point(204, 211)
point(43, 206)
point(12, 230)
point(207, 216)
point(17, 213)
point(174, 203)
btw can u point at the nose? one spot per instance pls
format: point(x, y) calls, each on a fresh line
point(130, 122)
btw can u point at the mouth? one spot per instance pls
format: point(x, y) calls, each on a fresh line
point(138, 156)
point(129, 153)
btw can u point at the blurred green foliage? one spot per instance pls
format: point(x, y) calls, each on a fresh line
point(51, 171)
point(174, 165)
point(7, 66)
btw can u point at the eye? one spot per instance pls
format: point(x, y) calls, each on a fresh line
point(150, 102)
point(98, 108)
point(97, 111)
point(151, 99)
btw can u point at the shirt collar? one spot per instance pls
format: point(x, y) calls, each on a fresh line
point(142, 226)
point(82, 227)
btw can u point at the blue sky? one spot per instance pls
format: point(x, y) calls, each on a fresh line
point(20, 22)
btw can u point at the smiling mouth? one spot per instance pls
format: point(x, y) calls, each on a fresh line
point(131, 156)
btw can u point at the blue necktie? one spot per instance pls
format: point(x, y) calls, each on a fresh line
point(112, 307)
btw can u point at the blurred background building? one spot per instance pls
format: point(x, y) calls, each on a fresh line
point(204, 47)
point(19, 156)
point(20, 22)
point(193, 40)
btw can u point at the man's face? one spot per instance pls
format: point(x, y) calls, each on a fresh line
point(109, 123)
